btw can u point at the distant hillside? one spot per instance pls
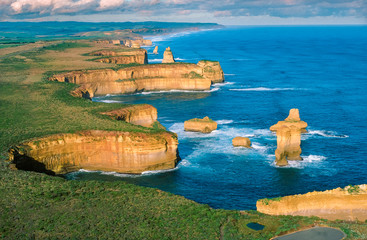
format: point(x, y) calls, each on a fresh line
point(32, 31)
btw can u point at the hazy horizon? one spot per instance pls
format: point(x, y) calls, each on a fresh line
point(229, 12)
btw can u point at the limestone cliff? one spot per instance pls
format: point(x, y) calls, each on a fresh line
point(205, 125)
point(289, 138)
point(143, 114)
point(241, 142)
point(122, 56)
point(349, 203)
point(151, 77)
point(212, 70)
point(124, 152)
point(168, 56)
point(137, 42)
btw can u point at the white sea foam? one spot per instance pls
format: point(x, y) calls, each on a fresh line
point(180, 91)
point(261, 89)
point(222, 84)
point(155, 60)
point(109, 101)
point(180, 59)
point(324, 133)
point(308, 161)
point(229, 74)
point(224, 121)
point(88, 171)
point(159, 171)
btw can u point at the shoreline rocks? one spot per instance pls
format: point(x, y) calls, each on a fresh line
point(97, 150)
point(349, 203)
point(147, 77)
point(205, 125)
point(144, 115)
point(241, 142)
point(289, 138)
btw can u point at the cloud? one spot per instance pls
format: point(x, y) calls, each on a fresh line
point(18, 9)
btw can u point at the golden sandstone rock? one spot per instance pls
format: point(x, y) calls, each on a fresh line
point(289, 138)
point(205, 125)
point(349, 203)
point(144, 114)
point(124, 56)
point(155, 51)
point(124, 152)
point(241, 142)
point(150, 77)
point(168, 56)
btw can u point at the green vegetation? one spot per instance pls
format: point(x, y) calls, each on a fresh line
point(353, 189)
point(9, 45)
point(65, 45)
point(38, 206)
point(192, 75)
point(266, 201)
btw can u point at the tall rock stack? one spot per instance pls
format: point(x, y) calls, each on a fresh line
point(155, 51)
point(168, 56)
point(289, 138)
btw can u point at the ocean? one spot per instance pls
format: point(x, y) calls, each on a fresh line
point(321, 70)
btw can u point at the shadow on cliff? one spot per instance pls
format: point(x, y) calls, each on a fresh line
point(26, 163)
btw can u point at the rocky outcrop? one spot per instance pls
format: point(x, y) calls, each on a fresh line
point(212, 70)
point(168, 56)
point(137, 42)
point(205, 125)
point(151, 77)
point(123, 152)
point(143, 114)
point(289, 138)
point(241, 142)
point(349, 203)
point(155, 51)
point(122, 56)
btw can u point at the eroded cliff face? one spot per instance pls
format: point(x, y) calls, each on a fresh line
point(289, 138)
point(143, 115)
point(212, 70)
point(205, 125)
point(349, 203)
point(123, 152)
point(124, 56)
point(151, 77)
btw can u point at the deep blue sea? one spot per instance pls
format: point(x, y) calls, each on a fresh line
point(268, 70)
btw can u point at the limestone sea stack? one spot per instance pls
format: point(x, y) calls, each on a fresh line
point(241, 142)
point(113, 151)
point(168, 56)
point(349, 203)
point(155, 51)
point(205, 125)
point(289, 138)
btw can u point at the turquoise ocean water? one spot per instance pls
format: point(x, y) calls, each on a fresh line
point(268, 70)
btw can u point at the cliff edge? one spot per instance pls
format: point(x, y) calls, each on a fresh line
point(349, 203)
point(113, 151)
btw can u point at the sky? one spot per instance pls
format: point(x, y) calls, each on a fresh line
point(227, 12)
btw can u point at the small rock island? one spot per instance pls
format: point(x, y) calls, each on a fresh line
point(289, 138)
point(205, 125)
point(241, 142)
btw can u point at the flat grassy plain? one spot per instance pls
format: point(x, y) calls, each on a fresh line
point(38, 206)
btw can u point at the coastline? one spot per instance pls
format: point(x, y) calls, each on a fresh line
point(62, 191)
